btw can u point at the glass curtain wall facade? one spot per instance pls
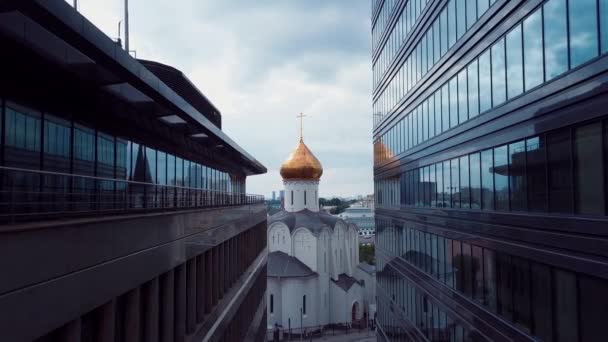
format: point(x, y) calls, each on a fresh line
point(39, 141)
point(490, 169)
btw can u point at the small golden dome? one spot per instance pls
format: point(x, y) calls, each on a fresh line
point(301, 164)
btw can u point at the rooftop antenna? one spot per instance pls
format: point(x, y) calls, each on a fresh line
point(126, 25)
point(118, 40)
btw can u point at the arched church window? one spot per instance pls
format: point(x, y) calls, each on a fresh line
point(304, 304)
point(283, 238)
point(273, 236)
point(271, 303)
point(291, 197)
point(304, 197)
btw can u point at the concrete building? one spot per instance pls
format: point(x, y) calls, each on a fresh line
point(360, 214)
point(123, 206)
point(490, 121)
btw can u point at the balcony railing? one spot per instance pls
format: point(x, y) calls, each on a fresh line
point(30, 195)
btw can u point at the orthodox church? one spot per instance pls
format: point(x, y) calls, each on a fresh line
point(314, 275)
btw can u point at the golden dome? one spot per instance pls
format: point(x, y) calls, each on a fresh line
point(301, 164)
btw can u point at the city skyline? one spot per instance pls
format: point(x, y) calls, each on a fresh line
point(312, 59)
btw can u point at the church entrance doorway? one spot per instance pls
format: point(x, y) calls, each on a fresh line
point(355, 311)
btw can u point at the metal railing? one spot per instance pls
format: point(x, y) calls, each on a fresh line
point(28, 195)
point(310, 333)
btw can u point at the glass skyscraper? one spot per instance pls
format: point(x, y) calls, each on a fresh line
point(490, 169)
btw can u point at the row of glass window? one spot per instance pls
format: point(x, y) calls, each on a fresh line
point(456, 18)
point(549, 303)
point(383, 17)
point(407, 18)
point(562, 171)
point(419, 310)
point(558, 36)
point(39, 141)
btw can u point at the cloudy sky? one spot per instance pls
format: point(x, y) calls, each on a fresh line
point(263, 62)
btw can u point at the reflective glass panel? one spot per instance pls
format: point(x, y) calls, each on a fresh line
point(487, 179)
point(556, 38)
point(583, 31)
point(485, 82)
point(461, 15)
point(515, 76)
point(498, 72)
point(463, 99)
point(473, 89)
point(465, 191)
point(533, 50)
point(604, 24)
point(475, 171)
point(453, 102)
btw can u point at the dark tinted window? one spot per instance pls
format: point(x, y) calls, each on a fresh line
point(465, 193)
point(517, 175)
point(536, 173)
point(593, 308)
point(566, 323)
point(501, 181)
point(560, 171)
point(463, 110)
point(589, 169)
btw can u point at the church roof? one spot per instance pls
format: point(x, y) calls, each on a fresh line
point(345, 282)
point(367, 268)
point(282, 265)
point(315, 221)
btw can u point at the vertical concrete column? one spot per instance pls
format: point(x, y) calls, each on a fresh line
point(191, 301)
point(132, 315)
point(180, 302)
point(151, 311)
point(71, 332)
point(213, 275)
point(106, 320)
point(230, 263)
point(167, 306)
point(222, 271)
point(200, 288)
point(208, 281)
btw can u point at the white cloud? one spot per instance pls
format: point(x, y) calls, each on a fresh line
point(263, 62)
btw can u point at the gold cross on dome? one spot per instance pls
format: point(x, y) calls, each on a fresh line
point(301, 116)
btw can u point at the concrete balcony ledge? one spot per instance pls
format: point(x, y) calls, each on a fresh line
point(37, 253)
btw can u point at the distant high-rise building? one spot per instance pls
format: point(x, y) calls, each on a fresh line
point(274, 195)
point(282, 194)
point(490, 168)
point(123, 212)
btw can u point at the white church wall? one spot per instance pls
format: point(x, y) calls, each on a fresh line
point(305, 247)
point(369, 290)
point(273, 289)
point(342, 303)
point(301, 194)
point(279, 238)
point(293, 291)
